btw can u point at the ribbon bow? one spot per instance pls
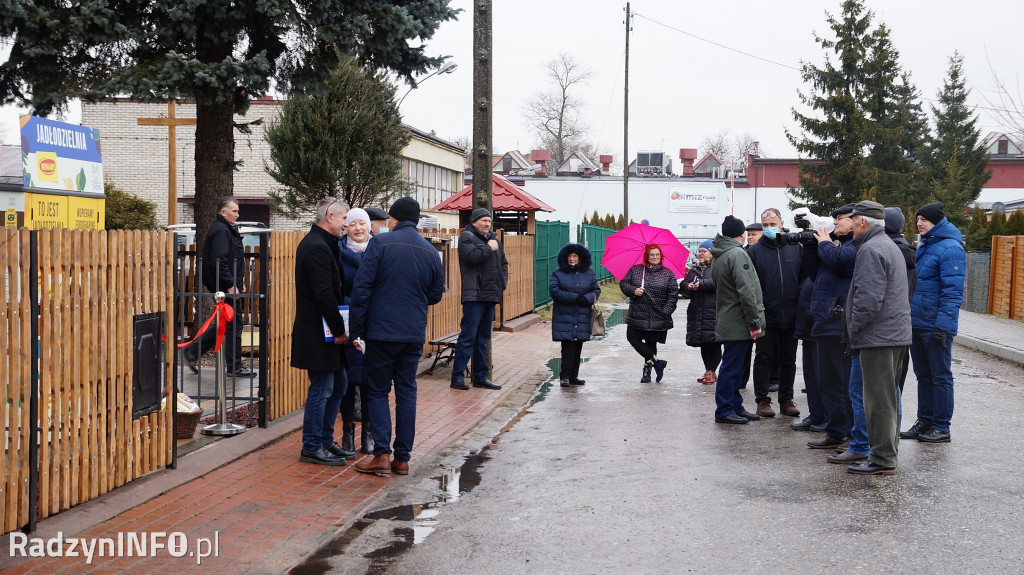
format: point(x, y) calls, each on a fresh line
point(223, 313)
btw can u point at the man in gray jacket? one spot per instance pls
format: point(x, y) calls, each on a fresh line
point(878, 324)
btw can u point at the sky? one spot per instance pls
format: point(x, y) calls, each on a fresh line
point(683, 89)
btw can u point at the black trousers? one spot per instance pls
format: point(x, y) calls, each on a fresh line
point(764, 350)
point(645, 342)
point(572, 351)
point(711, 353)
point(834, 383)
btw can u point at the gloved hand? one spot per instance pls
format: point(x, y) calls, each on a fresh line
point(582, 300)
point(939, 337)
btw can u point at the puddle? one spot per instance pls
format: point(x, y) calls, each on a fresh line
point(422, 516)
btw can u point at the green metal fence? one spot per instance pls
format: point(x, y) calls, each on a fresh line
point(550, 238)
point(593, 238)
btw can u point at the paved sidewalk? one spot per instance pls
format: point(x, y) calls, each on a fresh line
point(1001, 337)
point(267, 509)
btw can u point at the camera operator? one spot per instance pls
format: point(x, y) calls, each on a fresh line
point(780, 271)
point(836, 255)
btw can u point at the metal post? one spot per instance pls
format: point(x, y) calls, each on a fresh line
point(222, 427)
point(625, 129)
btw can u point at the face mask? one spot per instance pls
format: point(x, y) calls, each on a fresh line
point(770, 232)
point(382, 230)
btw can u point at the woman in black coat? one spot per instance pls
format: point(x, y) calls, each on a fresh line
point(573, 287)
point(699, 287)
point(653, 295)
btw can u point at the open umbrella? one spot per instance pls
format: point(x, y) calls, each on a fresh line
point(625, 248)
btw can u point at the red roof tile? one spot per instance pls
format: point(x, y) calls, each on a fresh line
point(507, 197)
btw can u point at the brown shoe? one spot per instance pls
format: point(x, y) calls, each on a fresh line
point(789, 408)
point(400, 467)
point(710, 378)
point(846, 457)
point(827, 442)
point(764, 408)
point(843, 447)
point(379, 465)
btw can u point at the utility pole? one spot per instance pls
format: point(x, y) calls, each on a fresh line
point(482, 60)
point(625, 129)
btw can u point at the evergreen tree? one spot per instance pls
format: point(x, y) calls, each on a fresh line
point(595, 219)
point(956, 163)
point(126, 211)
point(835, 139)
point(346, 143)
point(997, 223)
point(620, 222)
point(220, 53)
point(978, 236)
point(1015, 224)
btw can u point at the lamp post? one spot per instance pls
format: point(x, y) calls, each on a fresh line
point(446, 68)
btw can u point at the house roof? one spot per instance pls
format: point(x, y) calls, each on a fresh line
point(705, 158)
point(506, 197)
point(993, 137)
point(520, 161)
point(565, 167)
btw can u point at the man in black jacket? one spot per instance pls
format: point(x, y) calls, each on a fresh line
point(484, 276)
point(223, 269)
point(778, 268)
point(318, 294)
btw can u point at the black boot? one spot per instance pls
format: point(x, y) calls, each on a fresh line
point(647, 372)
point(348, 440)
point(366, 439)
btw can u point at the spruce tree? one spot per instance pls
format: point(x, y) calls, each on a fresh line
point(997, 223)
point(1015, 224)
point(978, 236)
point(956, 163)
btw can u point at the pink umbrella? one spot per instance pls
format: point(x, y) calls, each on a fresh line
point(625, 248)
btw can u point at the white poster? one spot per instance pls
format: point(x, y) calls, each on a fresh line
point(693, 199)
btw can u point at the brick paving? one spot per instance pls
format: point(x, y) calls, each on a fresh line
point(269, 510)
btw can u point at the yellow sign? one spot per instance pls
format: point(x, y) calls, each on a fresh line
point(46, 163)
point(46, 211)
point(11, 221)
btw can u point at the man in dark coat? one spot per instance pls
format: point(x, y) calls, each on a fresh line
point(484, 277)
point(778, 268)
point(318, 293)
point(399, 277)
point(223, 270)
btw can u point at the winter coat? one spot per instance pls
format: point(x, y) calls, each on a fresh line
point(484, 271)
point(831, 286)
point(778, 271)
point(739, 308)
point(700, 313)
point(223, 257)
point(877, 310)
point(400, 276)
point(317, 297)
point(653, 310)
point(941, 268)
point(350, 261)
point(910, 257)
point(570, 321)
point(804, 322)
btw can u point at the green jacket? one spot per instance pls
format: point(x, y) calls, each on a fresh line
point(738, 302)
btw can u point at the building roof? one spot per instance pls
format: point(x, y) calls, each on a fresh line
point(519, 161)
point(567, 164)
point(506, 197)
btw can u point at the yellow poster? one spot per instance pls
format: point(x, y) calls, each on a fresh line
point(46, 165)
point(11, 221)
point(46, 211)
point(85, 213)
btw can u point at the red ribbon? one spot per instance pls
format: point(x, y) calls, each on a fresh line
point(223, 313)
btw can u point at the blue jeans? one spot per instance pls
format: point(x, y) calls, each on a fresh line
point(932, 366)
point(323, 398)
point(727, 391)
point(477, 317)
point(859, 432)
point(386, 363)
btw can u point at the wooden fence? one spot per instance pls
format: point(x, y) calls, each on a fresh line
point(91, 284)
point(1006, 283)
point(288, 385)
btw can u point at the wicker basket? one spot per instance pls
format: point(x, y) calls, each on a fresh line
point(187, 423)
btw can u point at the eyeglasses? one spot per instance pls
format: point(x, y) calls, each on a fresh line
point(325, 205)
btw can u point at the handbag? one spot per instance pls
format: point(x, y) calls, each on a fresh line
point(596, 322)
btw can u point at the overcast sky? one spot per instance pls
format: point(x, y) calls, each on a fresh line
point(683, 88)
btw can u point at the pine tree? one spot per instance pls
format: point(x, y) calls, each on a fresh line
point(1015, 224)
point(956, 163)
point(997, 223)
point(978, 236)
point(595, 219)
point(836, 139)
point(620, 222)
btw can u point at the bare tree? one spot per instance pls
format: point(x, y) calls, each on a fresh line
point(731, 150)
point(744, 145)
point(717, 144)
point(556, 117)
point(1006, 104)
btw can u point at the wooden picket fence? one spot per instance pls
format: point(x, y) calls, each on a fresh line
point(91, 284)
point(1006, 277)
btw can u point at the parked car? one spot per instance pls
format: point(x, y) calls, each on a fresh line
point(249, 230)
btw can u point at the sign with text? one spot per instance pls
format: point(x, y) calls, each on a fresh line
point(693, 199)
point(60, 156)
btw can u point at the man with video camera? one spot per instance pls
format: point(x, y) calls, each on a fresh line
point(777, 258)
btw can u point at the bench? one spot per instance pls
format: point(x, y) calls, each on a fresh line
point(444, 350)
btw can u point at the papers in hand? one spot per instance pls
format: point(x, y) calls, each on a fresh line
point(328, 336)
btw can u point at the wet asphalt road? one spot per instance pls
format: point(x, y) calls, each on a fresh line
point(623, 477)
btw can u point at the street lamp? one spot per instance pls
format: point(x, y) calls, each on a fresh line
point(446, 68)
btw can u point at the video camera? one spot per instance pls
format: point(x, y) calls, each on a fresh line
point(802, 218)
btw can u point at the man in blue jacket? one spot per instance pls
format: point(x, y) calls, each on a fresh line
point(935, 312)
point(400, 276)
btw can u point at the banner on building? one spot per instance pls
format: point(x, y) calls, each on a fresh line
point(693, 199)
point(60, 156)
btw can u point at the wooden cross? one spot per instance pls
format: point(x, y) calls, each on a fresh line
point(171, 121)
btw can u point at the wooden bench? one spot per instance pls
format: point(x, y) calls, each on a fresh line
point(444, 350)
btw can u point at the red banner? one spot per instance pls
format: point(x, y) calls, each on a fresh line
point(223, 313)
